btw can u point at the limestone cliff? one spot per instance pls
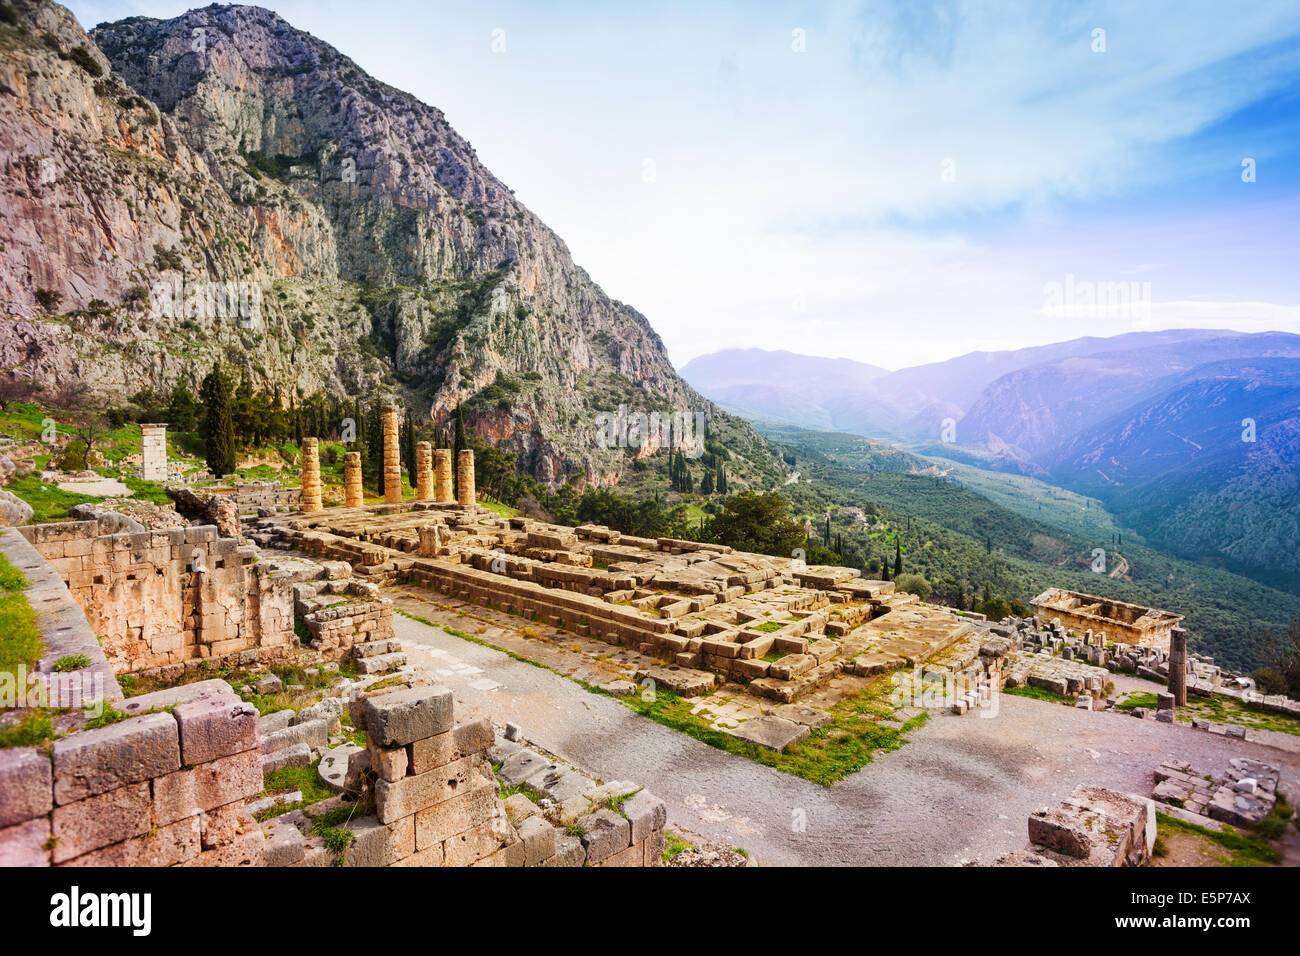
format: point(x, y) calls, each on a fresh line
point(356, 242)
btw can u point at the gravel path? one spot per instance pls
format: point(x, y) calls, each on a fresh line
point(961, 789)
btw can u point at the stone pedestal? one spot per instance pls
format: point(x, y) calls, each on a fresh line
point(1178, 666)
point(444, 491)
point(153, 452)
point(311, 489)
point(392, 456)
point(465, 493)
point(353, 495)
point(424, 471)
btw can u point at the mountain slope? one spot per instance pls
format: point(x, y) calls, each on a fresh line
point(227, 147)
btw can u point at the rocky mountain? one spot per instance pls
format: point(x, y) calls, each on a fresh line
point(1150, 423)
point(221, 185)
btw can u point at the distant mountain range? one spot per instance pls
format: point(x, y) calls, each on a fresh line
point(1191, 436)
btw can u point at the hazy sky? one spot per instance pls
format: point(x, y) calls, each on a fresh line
point(891, 182)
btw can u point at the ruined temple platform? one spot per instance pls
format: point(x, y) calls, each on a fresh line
point(696, 616)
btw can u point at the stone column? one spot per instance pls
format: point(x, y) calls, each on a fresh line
point(392, 456)
point(153, 452)
point(311, 491)
point(465, 479)
point(443, 494)
point(1178, 666)
point(424, 471)
point(353, 495)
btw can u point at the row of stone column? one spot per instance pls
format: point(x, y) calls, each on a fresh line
point(432, 474)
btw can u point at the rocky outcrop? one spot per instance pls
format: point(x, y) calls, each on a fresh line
point(361, 246)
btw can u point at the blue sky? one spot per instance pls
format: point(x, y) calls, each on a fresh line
point(902, 189)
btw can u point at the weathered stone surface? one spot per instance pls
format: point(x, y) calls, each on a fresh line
point(284, 844)
point(401, 798)
point(277, 720)
point(333, 766)
point(771, 732)
point(377, 844)
point(390, 763)
point(26, 844)
point(207, 786)
point(100, 820)
point(569, 851)
point(538, 838)
point(212, 727)
point(405, 716)
point(604, 833)
point(463, 740)
point(165, 846)
point(314, 733)
point(462, 812)
point(26, 785)
point(645, 814)
point(520, 766)
point(297, 755)
point(95, 761)
point(1059, 831)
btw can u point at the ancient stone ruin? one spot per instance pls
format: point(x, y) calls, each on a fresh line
point(1121, 623)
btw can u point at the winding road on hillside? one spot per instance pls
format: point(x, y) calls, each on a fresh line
point(960, 790)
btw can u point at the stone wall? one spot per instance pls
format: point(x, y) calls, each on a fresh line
point(157, 789)
point(166, 597)
point(1117, 621)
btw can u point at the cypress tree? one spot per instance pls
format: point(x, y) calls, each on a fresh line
point(218, 423)
point(898, 556)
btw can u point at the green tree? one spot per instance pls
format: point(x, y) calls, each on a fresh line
point(759, 523)
point(914, 584)
point(218, 422)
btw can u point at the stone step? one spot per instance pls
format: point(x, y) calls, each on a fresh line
point(380, 663)
point(375, 648)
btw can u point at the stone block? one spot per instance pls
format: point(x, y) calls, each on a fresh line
point(96, 761)
point(212, 727)
point(101, 820)
point(377, 844)
point(604, 833)
point(1059, 831)
point(297, 756)
point(464, 811)
point(284, 844)
point(538, 838)
point(26, 785)
point(401, 798)
point(465, 849)
point(26, 844)
point(207, 786)
point(645, 814)
point(390, 763)
point(314, 733)
point(405, 716)
point(569, 851)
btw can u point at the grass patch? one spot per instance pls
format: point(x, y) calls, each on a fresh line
point(674, 846)
point(767, 627)
point(1243, 849)
point(304, 779)
point(71, 662)
point(34, 730)
point(1041, 693)
point(20, 640)
point(1220, 710)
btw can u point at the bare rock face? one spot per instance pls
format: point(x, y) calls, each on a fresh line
point(13, 510)
point(224, 148)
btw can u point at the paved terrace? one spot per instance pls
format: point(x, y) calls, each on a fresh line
point(698, 615)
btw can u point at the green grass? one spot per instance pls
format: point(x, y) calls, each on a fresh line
point(34, 730)
point(304, 779)
point(1219, 709)
point(20, 639)
point(674, 846)
point(767, 627)
point(1041, 693)
point(71, 662)
point(48, 502)
point(1244, 849)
